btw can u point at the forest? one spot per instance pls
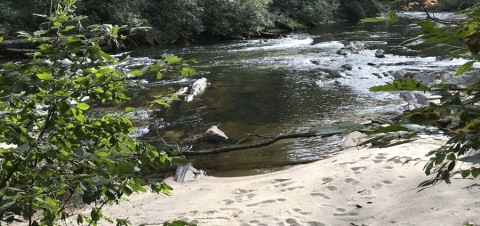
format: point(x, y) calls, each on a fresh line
point(188, 20)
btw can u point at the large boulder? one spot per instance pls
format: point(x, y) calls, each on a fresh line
point(214, 134)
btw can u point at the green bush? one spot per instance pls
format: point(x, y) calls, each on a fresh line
point(310, 12)
point(18, 15)
point(172, 20)
point(224, 17)
point(356, 10)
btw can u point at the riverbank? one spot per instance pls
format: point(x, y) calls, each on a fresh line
point(367, 186)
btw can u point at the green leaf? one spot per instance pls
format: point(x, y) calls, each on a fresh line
point(83, 106)
point(170, 59)
point(1, 38)
point(46, 48)
point(115, 30)
point(129, 109)
point(102, 154)
point(475, 172)
point(68, 28)
point(427, 26)
point(68, 2)
point(465, 67)
point(159, 75)
point(188, 72)
point(451, 166)
point(45, 76)
point(465, 173)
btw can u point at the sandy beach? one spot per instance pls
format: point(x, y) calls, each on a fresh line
point(367, 186)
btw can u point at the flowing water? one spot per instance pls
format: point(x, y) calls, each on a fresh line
point(267, 87)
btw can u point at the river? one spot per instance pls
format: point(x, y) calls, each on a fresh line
point(267, 87)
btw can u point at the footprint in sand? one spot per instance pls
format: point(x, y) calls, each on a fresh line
point(343, 214)
point(300, 211)
point(358, 169)
point(403, 177)
point(244, 195)
point(320, 194)
point(351, 181)
point(387, 182)
point(270, 201)
point(332, 188)
point(280, 183)
point(345, 163)
point(291, 188)
point(242, 191)
point(315, 223)
point(226, 202)
point(388, 167)
point(327, 180)
point(292, 222)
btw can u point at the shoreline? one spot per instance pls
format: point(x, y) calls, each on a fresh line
point(366, 186)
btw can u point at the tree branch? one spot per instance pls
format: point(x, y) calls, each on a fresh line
point(257, 145)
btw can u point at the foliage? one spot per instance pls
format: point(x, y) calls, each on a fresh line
point(186, 19)
point(355, 10)
point(224, 17)
point(310, 12)
point(64, 156)
point(458, 114)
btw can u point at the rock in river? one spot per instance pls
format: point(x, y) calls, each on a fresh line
point(379, 53)
point(213, 134)
point(198, 87)
point(347, 67)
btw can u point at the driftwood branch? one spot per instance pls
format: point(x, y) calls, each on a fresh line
point(257, 145)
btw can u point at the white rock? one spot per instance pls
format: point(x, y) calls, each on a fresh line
point(319, 83)
point(353, 139)
point(214, 134)
point(199, 86)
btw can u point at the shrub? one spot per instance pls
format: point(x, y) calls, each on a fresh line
point(310, 12)
point(356, 10)
point(225, 17)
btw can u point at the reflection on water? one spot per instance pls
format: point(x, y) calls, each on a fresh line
point(268, 87)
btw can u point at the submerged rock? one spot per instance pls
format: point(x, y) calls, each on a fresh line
point(347, 67)
point(214, 134)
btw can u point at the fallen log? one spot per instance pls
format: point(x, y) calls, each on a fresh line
point(257, 145)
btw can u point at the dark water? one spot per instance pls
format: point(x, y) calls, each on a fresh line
point(268, 87)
